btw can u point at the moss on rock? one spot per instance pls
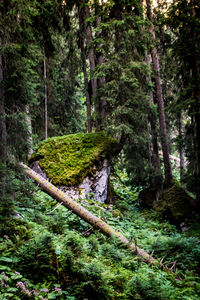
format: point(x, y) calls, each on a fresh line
point(67, 160)
point(175, 203)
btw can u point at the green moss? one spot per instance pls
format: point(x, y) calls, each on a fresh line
point(175, 203)
point(67, 160)
point(117, 214)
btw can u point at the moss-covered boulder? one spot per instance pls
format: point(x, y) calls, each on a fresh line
point(175, 204)
point(70, 160)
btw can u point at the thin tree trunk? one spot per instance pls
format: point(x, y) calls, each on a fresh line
point(197, 123)
point(91, 56)
point(160, 102)
point(90, 218)
point(149, 156)
point(196, 79)
point(83, 58)
point(3, 132)
point(181, 149)
point(29, 128)
point(117, 15)
point(102, 79)
point(45, 99)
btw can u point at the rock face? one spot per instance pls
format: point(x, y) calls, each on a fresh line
point(78, 164)
point(95, 186)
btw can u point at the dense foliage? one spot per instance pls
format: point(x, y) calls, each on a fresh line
point(49, 253)
point(128, 68)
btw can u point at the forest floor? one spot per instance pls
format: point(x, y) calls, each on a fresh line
point(47, 252)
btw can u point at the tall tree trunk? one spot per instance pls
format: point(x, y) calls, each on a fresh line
point(154, 136)
point(160, 101)
point(29, 129)
point(91, 56)
point(45, 99)
point(102, 79)
point(197, 99)
point(196, 80)
point(181, 148)
point(117, 15)
point(102, 82)
point(83, 58)
point(197, 125)
point(3, 133)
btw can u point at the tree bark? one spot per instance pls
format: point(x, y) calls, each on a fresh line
point(197, 121)
point(45, 99)
point(196, 91)
point(117, 15)
point(3, 148)
point(29, 129)
point(154, 138)
point(197, 125)
point(102, 79)
point(181, 149)
point(160, 101)
point(83, 58)
point(3, 132)
point(91, 56)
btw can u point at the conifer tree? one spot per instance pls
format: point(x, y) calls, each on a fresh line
point(160, 101)
point(102, 101)
point(3, 133)
point(183, 18)
point(84, 66)
point(92, 61)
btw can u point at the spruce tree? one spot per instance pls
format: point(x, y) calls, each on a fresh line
point(183, 18)
point(160, 101)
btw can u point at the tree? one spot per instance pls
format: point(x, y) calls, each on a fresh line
point(29, 129)
point(3, 133)
point(84, 66)
point(45, 98)
point(183, 19)
point(160, 100)
point(92, 58)
point(157, 174)
point(102, 101)
point(126, 87)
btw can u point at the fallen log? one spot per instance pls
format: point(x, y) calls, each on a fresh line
point(89, 217)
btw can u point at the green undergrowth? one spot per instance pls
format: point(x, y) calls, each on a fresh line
point(67, 160)
point(47, 252)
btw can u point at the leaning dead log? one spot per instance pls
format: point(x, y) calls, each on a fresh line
point(89, 217)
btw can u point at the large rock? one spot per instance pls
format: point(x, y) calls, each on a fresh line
point(79, 164)
point(174, 202)
point(93, 186)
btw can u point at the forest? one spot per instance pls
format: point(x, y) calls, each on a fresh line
point(105, 88)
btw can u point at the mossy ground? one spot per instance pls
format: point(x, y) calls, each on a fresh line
point(67, 160)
